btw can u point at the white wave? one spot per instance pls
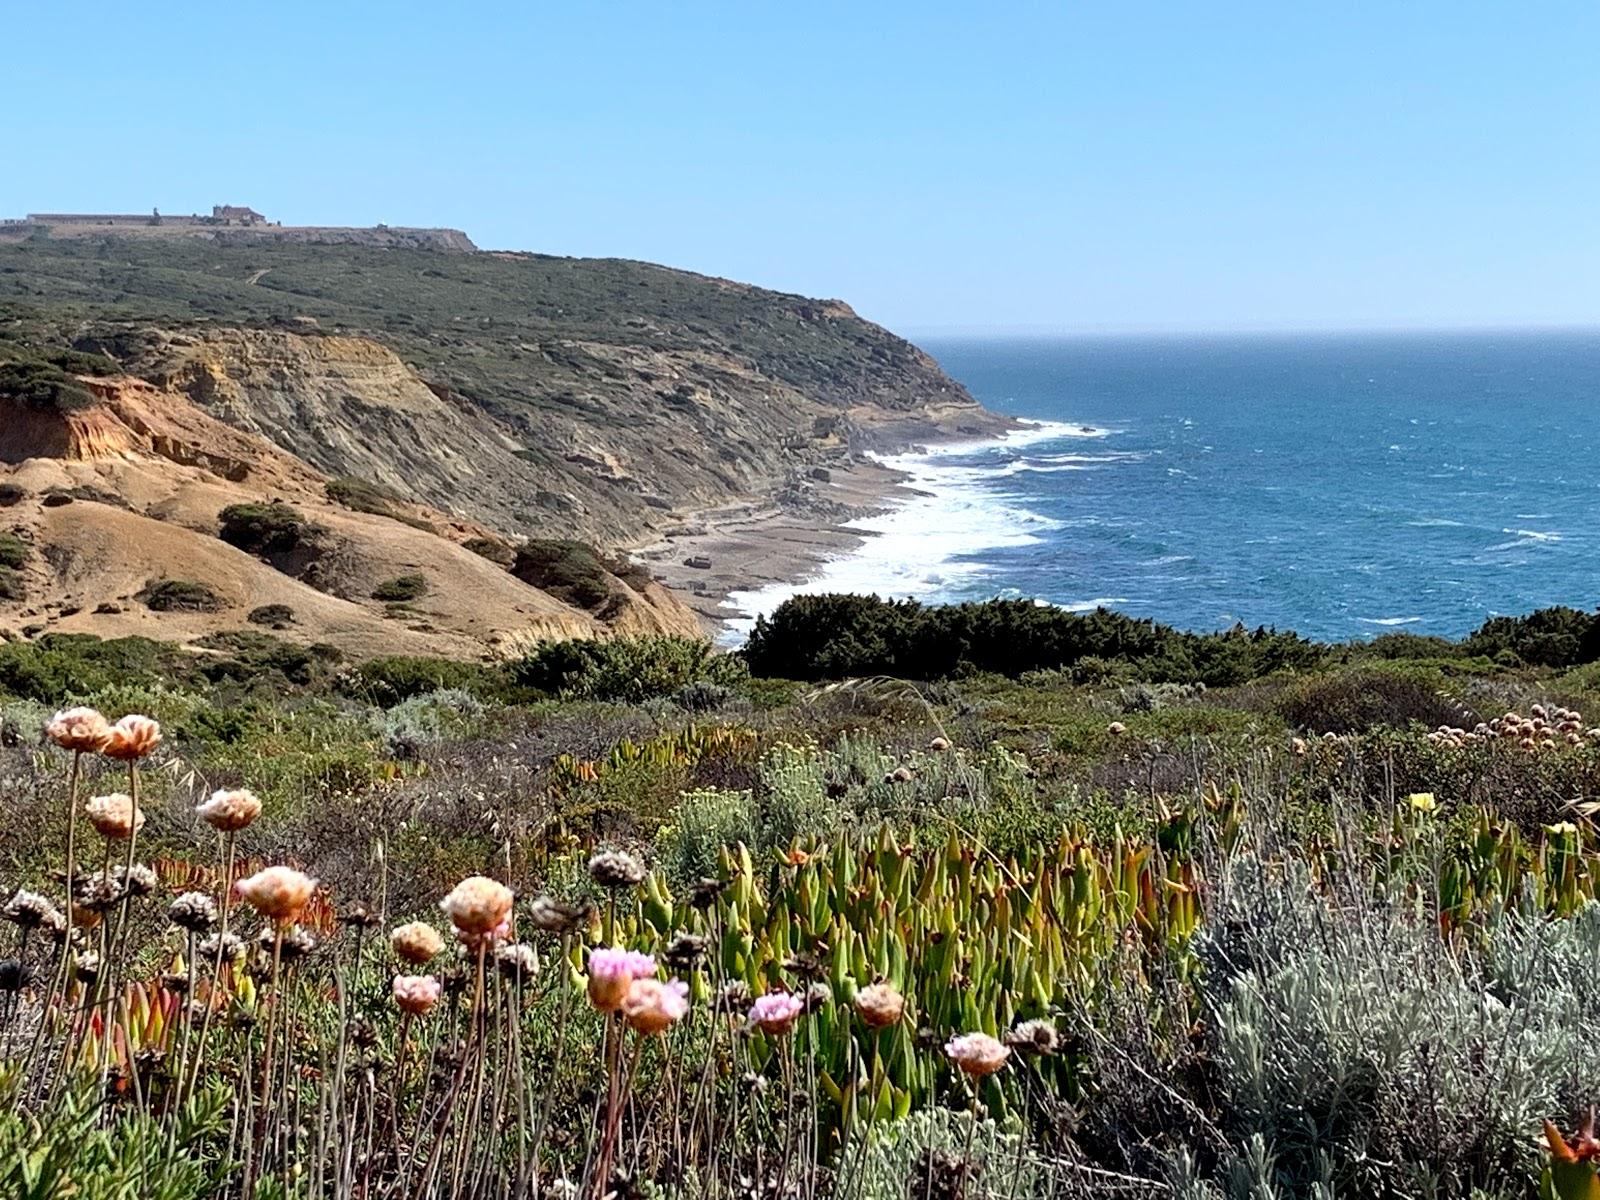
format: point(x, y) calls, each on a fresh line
point(1082, 606)
point(1436, 523)
point(1388, 620)
point(1534, 535)
point(925, 547)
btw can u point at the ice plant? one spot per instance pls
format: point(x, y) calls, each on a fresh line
point(416, 994)
point(80, 730)
point(278, 893)
point(114, 816)
point(132, 738)
point(229, 811)
point(977, 1053)
point(612, 971)
point(480, 909)
point(1423, 802)
point(880, 1005)
point(776, 1012)
point(653, 1007)
point(1574, 1161)
point(417, 943)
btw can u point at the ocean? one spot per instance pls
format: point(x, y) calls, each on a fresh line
point(1338, 485)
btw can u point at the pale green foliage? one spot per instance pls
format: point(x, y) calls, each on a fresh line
point(895, 1162)
point(705, 822)
point(422, 721)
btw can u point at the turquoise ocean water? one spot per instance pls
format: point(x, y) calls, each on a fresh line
point(1339, 485)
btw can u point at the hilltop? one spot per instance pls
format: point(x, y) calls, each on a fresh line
point(605, 398)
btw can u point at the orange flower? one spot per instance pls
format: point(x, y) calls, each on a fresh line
point(653, 1007)
point(879, 1005)
point(114, 817)
point(132, 738)
point(479, 908)
point(81, 730)
point(277, 892)
point(229, 811)
point(416, 943)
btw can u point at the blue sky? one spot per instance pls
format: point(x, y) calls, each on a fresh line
point(982, 166)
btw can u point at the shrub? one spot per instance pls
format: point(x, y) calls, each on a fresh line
point(388, 681)
point(705, 822)
point(570, 571)
point(273, 616)
point(498, 552)
point(631, 669)
point(179, 595)
point(61, 666)
point(1367, 697)
point(274, 528)
point(1549, 637)
point(364, 496)
point(43, 385)
point(401, 589)
point(11, 585)
point(250, 656)
point(13, 551)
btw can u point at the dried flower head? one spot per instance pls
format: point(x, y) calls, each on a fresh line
point(736, 995)
point(277, 893)
point(132, 738)
point(880, 1005)
point(96, 893)
point(114, 816)
point(417, 943)
point(612, 971)
point(518, 962)
point(480, 909)
point(552, 916)
point(616, 869)
point(684, 951)
point(776, 1012)
point(194, 911)
point(87, 966)
point(416, 994)
point(359, 916)
point(297, 944)
point(1035, 1037)
point(136, 881)
point(652, 1006)
point(706, 892)
point(939, 745)
point(977, 1053)
point(229, 944)
point(80, 730)
point(817, 996)
point(229, 811)
point(30, 910)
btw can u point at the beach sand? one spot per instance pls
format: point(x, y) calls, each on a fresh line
point(749, 545)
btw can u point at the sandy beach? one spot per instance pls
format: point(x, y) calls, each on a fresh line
point(743, 546)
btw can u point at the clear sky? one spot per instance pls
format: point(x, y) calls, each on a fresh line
point(981, 166)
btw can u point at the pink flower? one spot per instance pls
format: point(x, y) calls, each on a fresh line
point(81, 730)
point(416, 994)
point(776, 1012)
point(277, 892)
point(480, 909)
point(229, 811)
point(652, 1007)
point(611, 971)
point(880, 1005)
point(977, 1053)
point(132, 738)
point(114, 817)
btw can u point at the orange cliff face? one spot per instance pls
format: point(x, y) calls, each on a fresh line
point(74, 436)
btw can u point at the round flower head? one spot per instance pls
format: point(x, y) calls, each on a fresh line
point(81, 730)
point(479, 908)
point(114, 817)
point(612, 971)
point(776, 1012)
point(416, 994)
point(552, 916)
point(977, 1053)
point(652, 1007)
point(879, 1005)
point(616, 869)
point(132, 738)
point(33, 911)
point(194, 911)
point(518, 962)
point(417, 943)
point(278, 893)
point(228, 811)
point(1035, 1037)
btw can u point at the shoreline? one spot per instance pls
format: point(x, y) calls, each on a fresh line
point(762, 542)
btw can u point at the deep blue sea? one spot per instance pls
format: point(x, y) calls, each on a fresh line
point(1338, 485)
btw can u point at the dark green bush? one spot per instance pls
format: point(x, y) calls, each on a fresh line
point(62, 666)
point(249, 656)
point(274, 528)
point(498, 552)
point(274, 616)
point(630, 669)
point(364, 496)
point(1368, 697)
point(179, 595)
point(13, 551)
point(43, 385)
point(388, 681)
point(1549, 637)
point(401, 589)
point(570, 571)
